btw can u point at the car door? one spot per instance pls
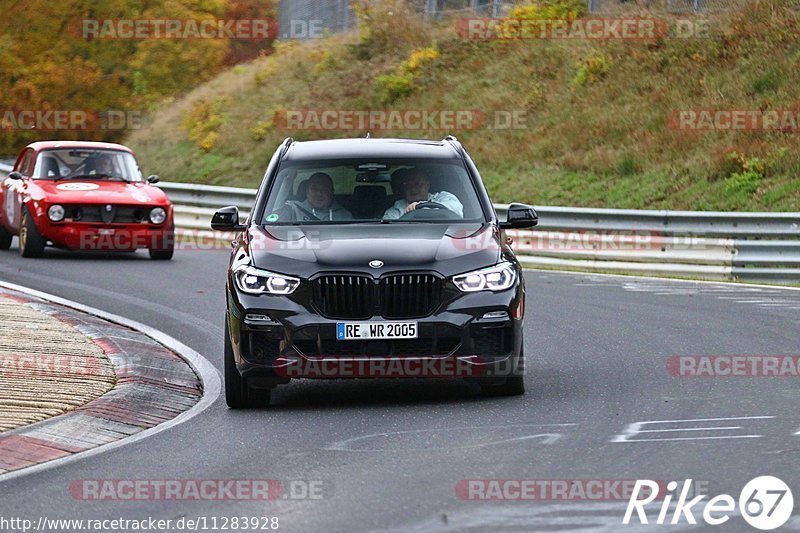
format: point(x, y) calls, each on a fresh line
point(13, 190)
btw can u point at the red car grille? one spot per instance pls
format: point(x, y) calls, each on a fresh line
point(100, 214)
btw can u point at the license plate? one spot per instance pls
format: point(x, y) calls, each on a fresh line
point(105, 231)
point(346, 331)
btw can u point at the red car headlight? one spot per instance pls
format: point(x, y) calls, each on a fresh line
point(56, 213)
point(158, 215)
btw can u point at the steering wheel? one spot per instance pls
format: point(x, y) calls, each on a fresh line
point(445, 212)
point(430, 205)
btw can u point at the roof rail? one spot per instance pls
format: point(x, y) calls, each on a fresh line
point(456, 144)
point(287, 142)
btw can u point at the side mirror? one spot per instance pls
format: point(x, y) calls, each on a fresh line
point(520, 216)
point(227, 219)
point(153, 179)
point(15, 176)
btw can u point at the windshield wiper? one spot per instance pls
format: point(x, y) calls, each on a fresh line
point(91, 177)
point(398, 221)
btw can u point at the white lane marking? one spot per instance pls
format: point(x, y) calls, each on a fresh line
point(636, 428)
point(718, 428)
point(730, 285)
point(208, 374)
point(726, 285)
point(745, 300)
point(546, 438)
point(764, 297)
point(696, 438)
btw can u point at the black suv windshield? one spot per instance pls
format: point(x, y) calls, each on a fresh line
point(369, 190)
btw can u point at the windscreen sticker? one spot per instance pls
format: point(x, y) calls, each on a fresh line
point(77, 186)
point(272, 218)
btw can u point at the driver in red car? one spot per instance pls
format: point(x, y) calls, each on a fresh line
point(416, 187)
point(100, 165)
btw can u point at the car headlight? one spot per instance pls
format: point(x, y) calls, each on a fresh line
point(158, 215)
point(56, 213)
point(497, 278)
point(256, 281)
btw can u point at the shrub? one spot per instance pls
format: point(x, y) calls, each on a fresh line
point(542, 10)
point(386, 25)
point(203, 122)
point(591, 69)
point(748, 178)
point(262, 128)
point(391, 87)
point(419, 58)
point(262, 76)
point(400, 83)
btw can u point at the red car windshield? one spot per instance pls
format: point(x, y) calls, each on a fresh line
point(86, 164)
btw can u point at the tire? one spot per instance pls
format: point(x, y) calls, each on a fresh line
point(161, 255)
point(31, 243)
point(513, 386)
point(5, 239)
point(166, 253)
point(237, 392)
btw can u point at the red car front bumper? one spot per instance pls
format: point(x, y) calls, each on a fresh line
point(111, 237)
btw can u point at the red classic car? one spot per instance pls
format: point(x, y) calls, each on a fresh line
point(84, 196)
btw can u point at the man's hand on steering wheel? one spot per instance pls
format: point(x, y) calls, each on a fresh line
point(425, 204)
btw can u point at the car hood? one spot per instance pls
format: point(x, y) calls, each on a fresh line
point(100, 191)
point(306, 250)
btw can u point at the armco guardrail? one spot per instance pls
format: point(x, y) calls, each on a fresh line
point(706, 245)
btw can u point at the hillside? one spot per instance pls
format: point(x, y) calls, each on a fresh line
point(600, 115)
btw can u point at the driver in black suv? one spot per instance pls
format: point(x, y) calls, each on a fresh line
point(416, 187)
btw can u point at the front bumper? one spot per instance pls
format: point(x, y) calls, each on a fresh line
point(278, 338)
point(108, 237)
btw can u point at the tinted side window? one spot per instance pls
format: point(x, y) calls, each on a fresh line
point(26, 164)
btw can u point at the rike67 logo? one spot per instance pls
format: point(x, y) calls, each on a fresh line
point(765, 503)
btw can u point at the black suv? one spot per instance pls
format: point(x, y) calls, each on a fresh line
point(372, 258)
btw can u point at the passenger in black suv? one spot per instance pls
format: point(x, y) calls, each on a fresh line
point(435, 292)
point(318, 200)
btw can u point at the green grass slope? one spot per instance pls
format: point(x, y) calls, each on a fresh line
point(597, 112)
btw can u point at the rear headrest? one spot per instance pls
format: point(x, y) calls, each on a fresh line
point(50, 165)
point(301, 190)
point(369, 194)
point(397, 181)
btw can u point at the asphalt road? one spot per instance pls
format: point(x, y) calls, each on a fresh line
point(388, 455)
